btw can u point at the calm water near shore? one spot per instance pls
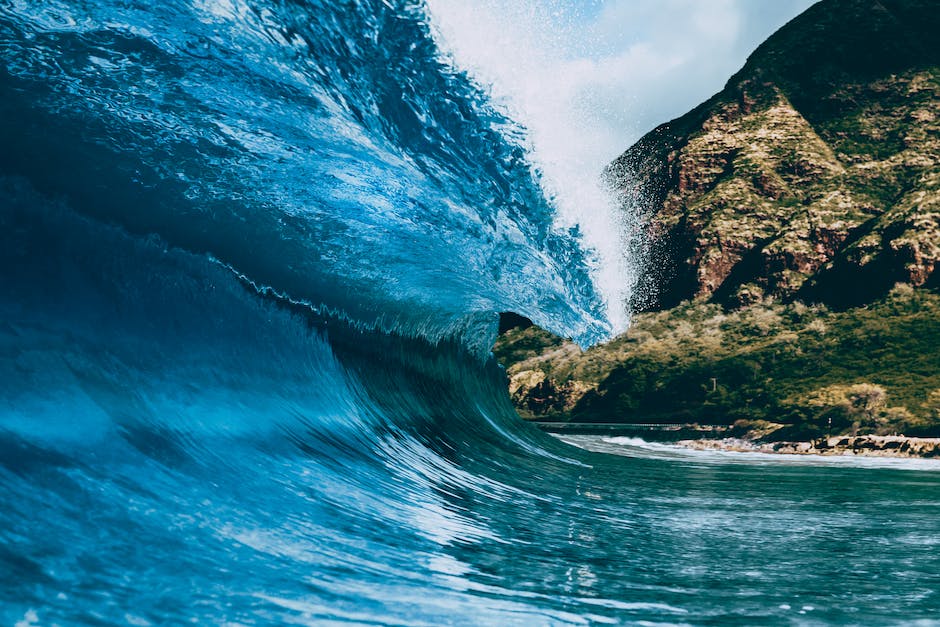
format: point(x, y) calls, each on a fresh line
point(744, 536)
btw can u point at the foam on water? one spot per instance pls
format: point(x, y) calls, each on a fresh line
point(631, 446)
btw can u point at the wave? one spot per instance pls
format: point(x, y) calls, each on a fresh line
point(156, 414)
point(251, 258)
point(252, 255)
point(323, 151)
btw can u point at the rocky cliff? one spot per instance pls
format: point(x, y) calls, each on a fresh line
point(813, 174)
point(793, 249)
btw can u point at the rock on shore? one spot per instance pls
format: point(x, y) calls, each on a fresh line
point(862, 445)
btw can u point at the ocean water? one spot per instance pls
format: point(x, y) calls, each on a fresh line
point(251, 259)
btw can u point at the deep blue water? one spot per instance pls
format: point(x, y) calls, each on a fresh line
point(251, 259)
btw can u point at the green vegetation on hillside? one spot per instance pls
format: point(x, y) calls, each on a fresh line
point(873, 369)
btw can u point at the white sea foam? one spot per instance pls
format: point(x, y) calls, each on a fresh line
point(637, 447)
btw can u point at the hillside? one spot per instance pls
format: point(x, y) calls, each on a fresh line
point(793, 233)
point(813, 174)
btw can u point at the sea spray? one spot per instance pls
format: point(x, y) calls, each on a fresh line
point(518, 52)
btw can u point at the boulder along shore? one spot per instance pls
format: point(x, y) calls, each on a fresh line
point(861, 445)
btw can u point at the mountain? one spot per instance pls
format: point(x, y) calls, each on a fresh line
point(793, 242)
point(812, 175)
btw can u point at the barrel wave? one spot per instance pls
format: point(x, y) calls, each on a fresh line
point(252, 258)
point(252, 254)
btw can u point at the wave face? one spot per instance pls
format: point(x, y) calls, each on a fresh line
point(320, 150)
point(251, 255)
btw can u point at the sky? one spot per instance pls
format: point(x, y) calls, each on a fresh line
point(613, 69)
point(587, 78)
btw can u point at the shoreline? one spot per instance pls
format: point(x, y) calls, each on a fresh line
point(898, 446)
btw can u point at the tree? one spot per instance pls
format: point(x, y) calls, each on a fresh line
point(867, 400)
point(933, 405)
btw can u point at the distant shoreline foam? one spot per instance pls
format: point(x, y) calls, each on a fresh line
point(743, 451)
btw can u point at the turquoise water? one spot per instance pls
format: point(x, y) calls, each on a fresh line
point(252, 255)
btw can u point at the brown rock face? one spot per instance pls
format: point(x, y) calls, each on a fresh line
point(536, 395)
point(812, 175)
